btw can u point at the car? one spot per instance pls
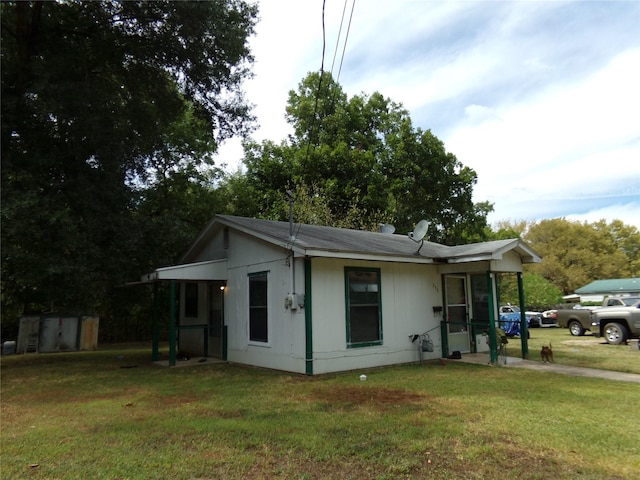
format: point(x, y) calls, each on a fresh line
point(534, 319)
point(550, 318)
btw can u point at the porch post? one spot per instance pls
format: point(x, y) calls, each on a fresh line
point(308, 323)
point(444, 338)
point(493, 343)
point(223, 328)
point(524, 330)
point(155, 329)
point(172, 323)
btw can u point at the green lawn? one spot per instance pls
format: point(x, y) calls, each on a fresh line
point(81, 416)
point(584, 351)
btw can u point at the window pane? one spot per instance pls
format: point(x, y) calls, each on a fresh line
point(365, 324)
point(258, 290)
point(258, 319)
point(457, 319)
point(258, 325)
point(364, 315)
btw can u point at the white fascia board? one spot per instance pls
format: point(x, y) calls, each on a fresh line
point(371, 257)
point(477, 258)
point(527, 254)
point(209, 270)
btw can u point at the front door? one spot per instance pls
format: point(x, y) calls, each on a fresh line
point(457, 313)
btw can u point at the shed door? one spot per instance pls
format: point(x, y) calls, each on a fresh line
point(457, 315)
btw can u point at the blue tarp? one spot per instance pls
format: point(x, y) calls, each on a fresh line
point(510, 323)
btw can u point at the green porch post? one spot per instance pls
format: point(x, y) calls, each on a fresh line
point(444, 338)
point(444, 327)
point(172, 323)
point(224, 343)
point(308, 323)
point(206, 340)
point(155, 329)
point(493, 342)
point(524, 329)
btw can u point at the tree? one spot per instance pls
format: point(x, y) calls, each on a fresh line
point(539, 293)
point(575, 254)
point(362, 154)
point(100, 102)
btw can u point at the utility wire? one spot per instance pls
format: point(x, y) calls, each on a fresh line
point(315, 108)
point(335, 52)
point(346, 38)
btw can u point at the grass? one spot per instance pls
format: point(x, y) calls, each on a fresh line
point(80, 415)
point(584, 351)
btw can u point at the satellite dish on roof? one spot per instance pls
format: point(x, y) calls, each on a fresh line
point(418, 233)
point(387, 228)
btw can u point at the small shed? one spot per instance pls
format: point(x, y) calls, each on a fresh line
point(57, 333)
point(315, 299)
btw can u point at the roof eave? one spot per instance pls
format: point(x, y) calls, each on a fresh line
point(312, 252)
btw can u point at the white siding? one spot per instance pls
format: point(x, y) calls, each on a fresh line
point(285, 349)
point(510, 262)
point(409, 293)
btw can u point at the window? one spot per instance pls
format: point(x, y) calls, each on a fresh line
point(258, 319)
point(364, 312)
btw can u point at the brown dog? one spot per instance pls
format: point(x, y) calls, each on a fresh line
point(546, 354)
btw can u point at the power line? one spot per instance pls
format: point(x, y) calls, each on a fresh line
point(335, 52)
point(315, 107)
point(346, 38)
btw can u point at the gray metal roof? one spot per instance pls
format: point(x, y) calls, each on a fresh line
point(315, 240)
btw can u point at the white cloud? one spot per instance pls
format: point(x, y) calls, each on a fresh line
point(540, 98)
point(629, 213)
point(569, 141)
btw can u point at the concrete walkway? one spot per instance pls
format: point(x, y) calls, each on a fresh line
point(515, 362)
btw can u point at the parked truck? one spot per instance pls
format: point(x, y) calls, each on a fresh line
point(618, 324)
point(578, 320)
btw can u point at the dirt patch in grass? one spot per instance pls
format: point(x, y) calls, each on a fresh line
point(377, 398)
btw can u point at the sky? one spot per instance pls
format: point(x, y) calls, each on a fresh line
point(540, 98)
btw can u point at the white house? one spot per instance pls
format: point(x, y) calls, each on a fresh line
point(313, 299)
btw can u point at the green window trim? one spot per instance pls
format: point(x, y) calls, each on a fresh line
point(363, 306)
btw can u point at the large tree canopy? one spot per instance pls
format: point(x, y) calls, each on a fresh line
point(100, 99)
point(362, 154)
point(577, 253)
